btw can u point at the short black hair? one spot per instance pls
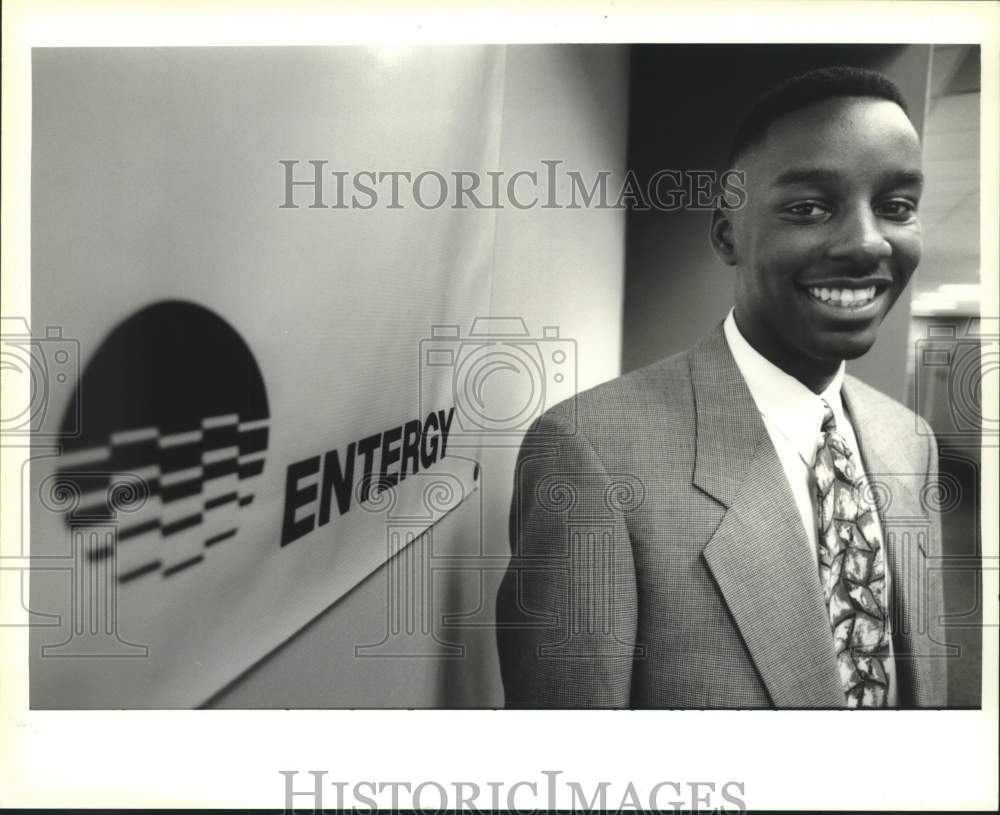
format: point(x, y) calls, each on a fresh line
point(805, 89)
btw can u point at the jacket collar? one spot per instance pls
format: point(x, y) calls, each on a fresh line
point(728, 425)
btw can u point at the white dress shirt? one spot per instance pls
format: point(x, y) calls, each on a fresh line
point(793, 416)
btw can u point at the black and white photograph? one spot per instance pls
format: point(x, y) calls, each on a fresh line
point(397, 386)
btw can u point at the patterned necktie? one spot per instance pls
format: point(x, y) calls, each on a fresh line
point(852, 570)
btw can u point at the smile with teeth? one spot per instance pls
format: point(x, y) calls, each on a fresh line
point(843, 298)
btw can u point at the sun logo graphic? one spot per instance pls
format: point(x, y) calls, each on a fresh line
point(171, 409)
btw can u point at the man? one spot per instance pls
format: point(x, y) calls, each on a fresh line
point(742, 525)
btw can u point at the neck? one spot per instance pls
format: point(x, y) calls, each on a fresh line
point(815, 374)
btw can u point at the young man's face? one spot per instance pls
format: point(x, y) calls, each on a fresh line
point(829, 236)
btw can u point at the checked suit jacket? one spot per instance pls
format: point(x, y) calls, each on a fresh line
point(658, 558)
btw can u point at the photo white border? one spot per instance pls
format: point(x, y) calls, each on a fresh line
point(930, 760)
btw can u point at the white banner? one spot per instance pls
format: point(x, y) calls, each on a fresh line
point(238, 423)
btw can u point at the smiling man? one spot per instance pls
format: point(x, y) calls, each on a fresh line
point(742, 524)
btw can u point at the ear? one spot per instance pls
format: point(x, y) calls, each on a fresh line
point(721, 236)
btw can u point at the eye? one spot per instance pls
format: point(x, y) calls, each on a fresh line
point(897, 209)
point(806, 211)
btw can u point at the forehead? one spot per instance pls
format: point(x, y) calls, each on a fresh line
point(853, 135)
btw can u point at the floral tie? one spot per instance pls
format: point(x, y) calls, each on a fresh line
point(852, 570)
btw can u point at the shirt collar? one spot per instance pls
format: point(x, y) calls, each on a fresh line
point(794, 410)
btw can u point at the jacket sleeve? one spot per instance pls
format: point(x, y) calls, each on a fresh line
point(567, 605)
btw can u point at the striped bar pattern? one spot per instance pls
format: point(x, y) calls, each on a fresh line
point(173, 467)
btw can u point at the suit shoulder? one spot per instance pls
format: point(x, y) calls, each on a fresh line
point(904, 441)
point(664, 387)
point(894, 411)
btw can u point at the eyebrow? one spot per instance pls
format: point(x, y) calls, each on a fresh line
point(822, 176)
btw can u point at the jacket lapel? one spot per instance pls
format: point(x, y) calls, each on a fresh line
point(759, 554)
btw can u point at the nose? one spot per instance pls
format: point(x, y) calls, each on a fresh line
point(860, 240)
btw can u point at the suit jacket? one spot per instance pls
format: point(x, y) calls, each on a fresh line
point(658, 558)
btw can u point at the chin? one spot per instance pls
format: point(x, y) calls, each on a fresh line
point(846, 347)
